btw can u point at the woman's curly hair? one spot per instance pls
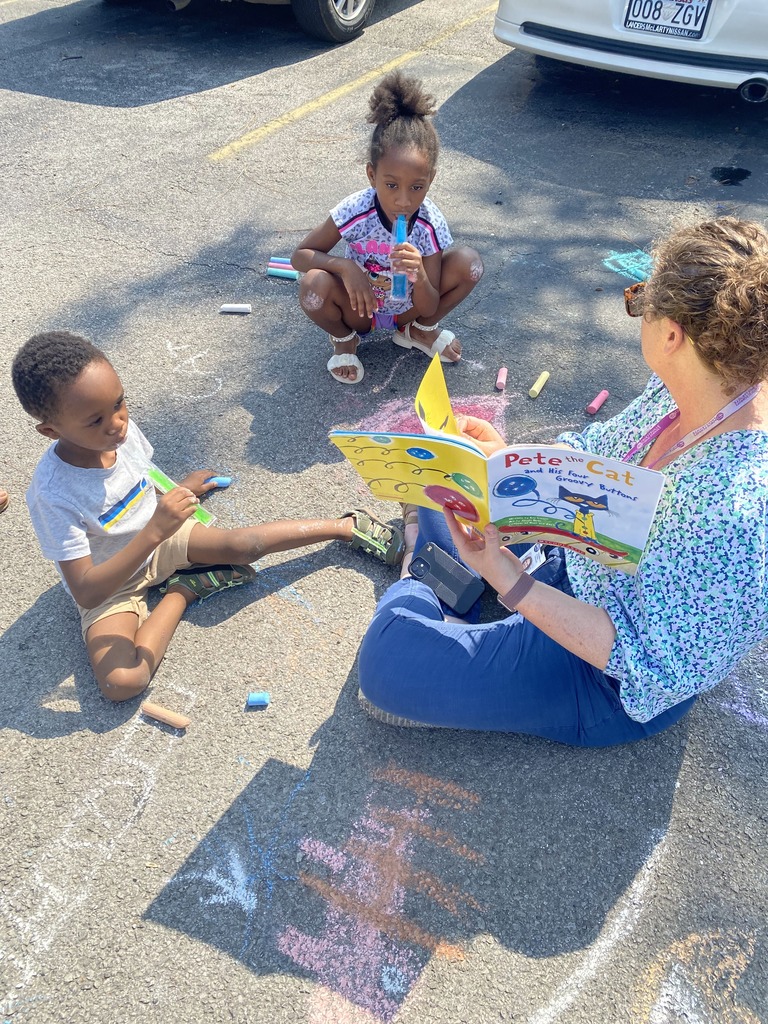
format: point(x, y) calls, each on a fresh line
point(400, 110)
point(712, 279)
point(45, 365)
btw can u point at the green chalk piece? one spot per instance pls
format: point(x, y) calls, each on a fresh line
point(164, 484)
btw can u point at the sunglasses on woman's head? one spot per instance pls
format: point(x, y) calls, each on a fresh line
point(634, 299)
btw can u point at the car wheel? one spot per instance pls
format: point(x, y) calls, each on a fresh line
point(335, 21)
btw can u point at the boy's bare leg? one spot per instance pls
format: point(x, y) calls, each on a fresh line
point(125, 658)
point(209, 545)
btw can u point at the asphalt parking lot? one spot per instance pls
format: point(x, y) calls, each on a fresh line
point(306, 864)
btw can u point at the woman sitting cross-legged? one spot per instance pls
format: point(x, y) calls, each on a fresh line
point(591, 656)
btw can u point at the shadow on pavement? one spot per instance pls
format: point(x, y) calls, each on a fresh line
point(358, 870)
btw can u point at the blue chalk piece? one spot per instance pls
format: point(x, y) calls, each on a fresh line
point(258, 699)
point(292, 275)
point(279, 259)
point(220, 481)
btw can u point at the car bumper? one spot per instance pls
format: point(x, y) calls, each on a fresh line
point(697, 67)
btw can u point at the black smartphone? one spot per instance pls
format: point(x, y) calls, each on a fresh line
point(450, 580)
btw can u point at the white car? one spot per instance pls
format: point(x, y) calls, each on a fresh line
point(703, 42)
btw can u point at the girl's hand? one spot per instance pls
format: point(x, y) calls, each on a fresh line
point(196, 481)
point(361, 297)
point(482, 433)
point(173, 509)
point(484, 553)
point(406, 259)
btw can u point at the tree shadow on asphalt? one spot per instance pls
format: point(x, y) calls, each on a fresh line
point(397, 845)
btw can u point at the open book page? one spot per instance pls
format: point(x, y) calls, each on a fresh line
point(435, 472)
point(433, 405)
point(601, 507)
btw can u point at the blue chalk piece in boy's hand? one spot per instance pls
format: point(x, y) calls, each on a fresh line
point(220, 481)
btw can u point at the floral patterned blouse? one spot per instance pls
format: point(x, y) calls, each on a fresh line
point(699, 600)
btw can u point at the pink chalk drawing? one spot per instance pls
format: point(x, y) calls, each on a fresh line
point(370, 953)
point(398, 415)
point(749, 703)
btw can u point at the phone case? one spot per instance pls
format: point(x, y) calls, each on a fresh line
point(450, 580)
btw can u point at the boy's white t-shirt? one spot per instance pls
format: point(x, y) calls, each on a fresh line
point(77, 512)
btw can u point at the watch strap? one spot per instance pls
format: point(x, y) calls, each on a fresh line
point(513, 597)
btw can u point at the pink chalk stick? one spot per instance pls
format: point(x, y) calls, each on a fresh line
point(501, 379)
point(596, 402)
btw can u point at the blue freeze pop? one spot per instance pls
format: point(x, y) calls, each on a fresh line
point(400, 281)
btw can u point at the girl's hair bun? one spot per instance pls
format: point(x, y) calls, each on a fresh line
point(401, 110)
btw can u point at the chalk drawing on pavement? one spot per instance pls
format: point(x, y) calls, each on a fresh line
point(635, 265)
point(696, 980)
point(370, 952)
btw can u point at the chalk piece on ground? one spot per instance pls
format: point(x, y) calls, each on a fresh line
point(280, 259)
point(161, 714)
point(501, 379)
point(286, 272)
point(596, 402)
point(258, 699)
point(236, 307)
point(220, 481)
point(541, 380)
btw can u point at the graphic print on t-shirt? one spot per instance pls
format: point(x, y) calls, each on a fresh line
point(120, 508)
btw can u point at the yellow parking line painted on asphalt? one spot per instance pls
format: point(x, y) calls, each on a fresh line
point(4, 3)
point(252, 138)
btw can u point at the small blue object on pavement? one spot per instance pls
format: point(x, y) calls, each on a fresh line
point(220, 481)
point(258, 699)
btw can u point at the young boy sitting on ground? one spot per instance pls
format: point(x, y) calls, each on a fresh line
point(96, 514)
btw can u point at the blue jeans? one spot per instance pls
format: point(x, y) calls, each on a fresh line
point(505, 676)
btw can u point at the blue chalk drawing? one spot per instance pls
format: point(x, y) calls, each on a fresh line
point(244, 878)
point(635, 265)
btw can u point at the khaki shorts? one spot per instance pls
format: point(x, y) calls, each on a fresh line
point(132, 596)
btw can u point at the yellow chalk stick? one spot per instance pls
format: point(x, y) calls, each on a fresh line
point(541, 380)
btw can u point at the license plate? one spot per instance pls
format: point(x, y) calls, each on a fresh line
point(685, 18)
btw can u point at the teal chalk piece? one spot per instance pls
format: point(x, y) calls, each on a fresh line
point(635, 265)
point(467, 483)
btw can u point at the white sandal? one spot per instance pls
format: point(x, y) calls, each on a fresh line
point(345, 359)
point(440, 344)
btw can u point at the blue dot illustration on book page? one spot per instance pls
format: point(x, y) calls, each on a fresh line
point(514, 486)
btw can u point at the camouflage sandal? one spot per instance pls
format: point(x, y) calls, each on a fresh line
point(379, 539)
point(208, 580)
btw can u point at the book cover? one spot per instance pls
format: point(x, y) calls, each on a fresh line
point(601, 507)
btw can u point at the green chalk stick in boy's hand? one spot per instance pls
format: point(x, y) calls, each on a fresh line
point(164, 484)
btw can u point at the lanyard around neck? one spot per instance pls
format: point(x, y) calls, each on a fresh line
point(691, 437)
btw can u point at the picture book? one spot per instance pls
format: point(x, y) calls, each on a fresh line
point(533, 493)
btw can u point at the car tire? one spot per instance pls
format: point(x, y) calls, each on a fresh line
point(333, 21)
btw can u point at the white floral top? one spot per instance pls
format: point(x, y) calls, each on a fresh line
point(699, 600)
point(368, 236)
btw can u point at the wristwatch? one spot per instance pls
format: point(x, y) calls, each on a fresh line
point(513, 597)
